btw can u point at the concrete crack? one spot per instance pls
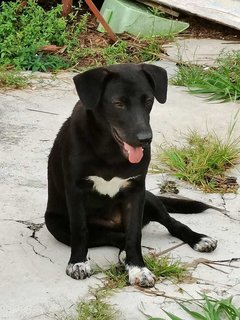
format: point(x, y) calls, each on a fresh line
point(38, 253)
point(34, 227)
point(225, 210)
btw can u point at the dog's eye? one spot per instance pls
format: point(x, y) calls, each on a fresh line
point(149, 102)
point(119, 104)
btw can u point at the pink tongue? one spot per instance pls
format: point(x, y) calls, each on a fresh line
point(134, 154)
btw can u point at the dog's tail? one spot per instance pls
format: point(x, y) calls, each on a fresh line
point(185, 205)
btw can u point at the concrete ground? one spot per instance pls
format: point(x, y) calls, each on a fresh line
point(33, 283)
point(200, 51)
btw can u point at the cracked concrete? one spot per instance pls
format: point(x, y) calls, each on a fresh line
point(32, 268)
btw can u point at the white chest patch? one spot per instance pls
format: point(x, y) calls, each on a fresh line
point(111, 187)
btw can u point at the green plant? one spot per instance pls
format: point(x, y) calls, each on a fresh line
point(165, 267)
point(202, 160)
point(11, 79)
point(116, 53)
point(26, 28)
point(157, 12)
point(161, 266)
point(221, 83)
point(35, 39)
point(116, 277)
point(95, 309)
point(210, 309)
point(151, 50)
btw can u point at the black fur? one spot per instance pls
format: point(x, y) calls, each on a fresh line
point(114, 107)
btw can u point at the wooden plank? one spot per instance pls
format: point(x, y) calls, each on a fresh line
point(225, 12)
point(67, 7)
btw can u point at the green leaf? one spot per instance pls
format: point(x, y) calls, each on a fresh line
point(172, 316)
point(194, 314)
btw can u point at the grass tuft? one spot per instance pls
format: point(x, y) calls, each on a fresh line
point(161, 266)
point(95, 309)
point(11, 79)
point(116, 277)
point(209, 309)
point(202, 161)
point(220, 83)
point(165, 267)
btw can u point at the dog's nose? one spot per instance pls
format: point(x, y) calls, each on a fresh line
point(144, 138)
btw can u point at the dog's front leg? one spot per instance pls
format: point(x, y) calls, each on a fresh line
point(78, 265)
point(133, 213)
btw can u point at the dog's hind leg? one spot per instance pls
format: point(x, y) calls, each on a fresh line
point(58, 226)
point(154, 210)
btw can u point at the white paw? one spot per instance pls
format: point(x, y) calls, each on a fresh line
point(140, 276)
point(80, 270)
point(206, 244)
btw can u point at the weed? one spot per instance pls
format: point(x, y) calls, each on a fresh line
point(161, 266)
point(116, 277)
point(221, 83)
point(157, 12)
point(26, 27)
point(115, 53)
point(189, 76)
point(151, 50)
point(165, 267)
point(125, 50)
point(95, 309)
point(27, 31)
point(210, 309)
point(202, 161)
point(11, 79)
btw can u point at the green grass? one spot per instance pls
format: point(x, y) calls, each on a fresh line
point(209, 309)
point(116, 277)
point(157, 12)
point(166, 267)
point(26, 31)
point(11, 79)
point(201, 160)
point(161, 266)
point(95, 309)
point(92, 309)
point(220, 83)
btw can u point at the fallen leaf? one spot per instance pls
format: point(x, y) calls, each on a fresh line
point(52, 48)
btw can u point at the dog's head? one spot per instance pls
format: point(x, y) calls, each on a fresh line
point(123, 96)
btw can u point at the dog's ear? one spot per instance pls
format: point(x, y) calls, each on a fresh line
point(89, 86)
point(157, 77)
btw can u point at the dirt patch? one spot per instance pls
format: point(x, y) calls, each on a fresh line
point(134, 51)
point(202, 28)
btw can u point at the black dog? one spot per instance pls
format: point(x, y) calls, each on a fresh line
point(97, 169)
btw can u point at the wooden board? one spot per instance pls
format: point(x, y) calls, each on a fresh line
point(225, 12)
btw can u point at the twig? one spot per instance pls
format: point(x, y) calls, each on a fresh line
point(209, 265)
point(55, 114)
point(157, 293)
point(164, 251)
point(172, 248)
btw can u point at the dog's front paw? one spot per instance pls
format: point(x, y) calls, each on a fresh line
point(206, 244)
point(140, 276)
point(80, 270)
